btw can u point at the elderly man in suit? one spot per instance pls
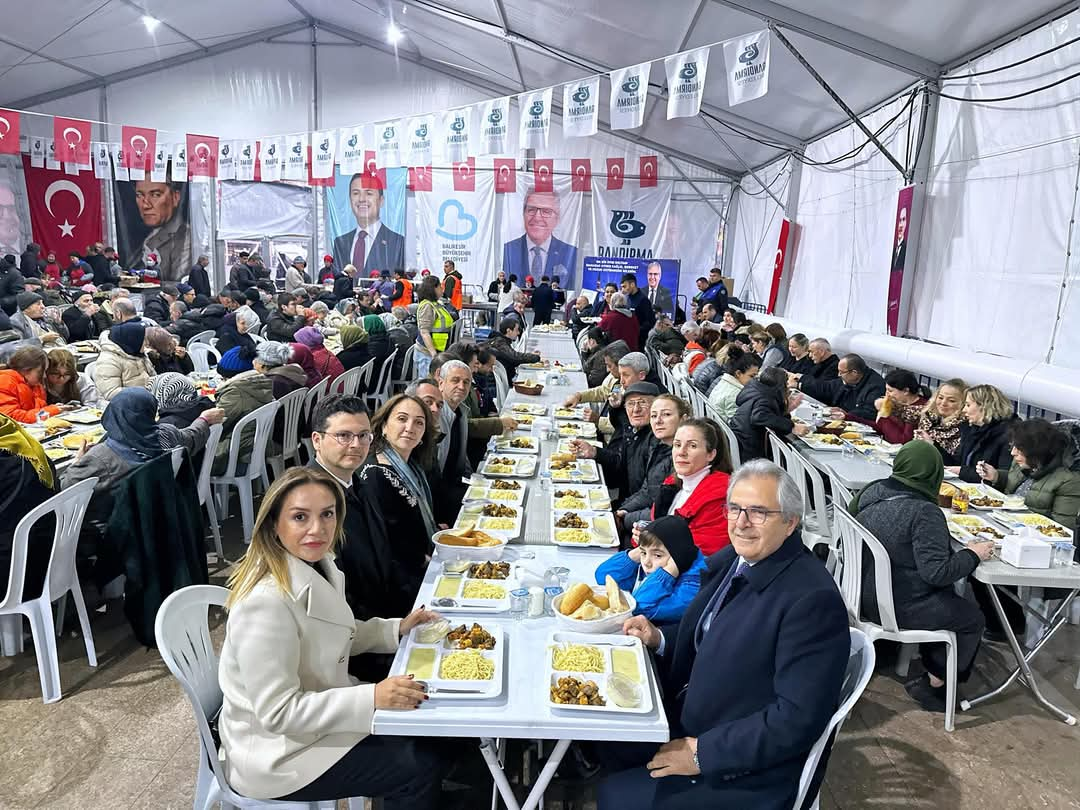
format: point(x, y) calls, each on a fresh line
point(754, 670)
point(656, 294)
point(371, 245)
point(537, 252)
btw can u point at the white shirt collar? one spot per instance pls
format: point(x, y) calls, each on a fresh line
point(742, 560)
point(544, 247)
point(690, 482)
point(345, 484)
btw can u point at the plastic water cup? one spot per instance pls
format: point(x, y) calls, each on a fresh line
point(549, 597)
point(519, 604)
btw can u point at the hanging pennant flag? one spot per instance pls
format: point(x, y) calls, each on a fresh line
point(159, 170)
point(616, 168)
point(686, 82)
point(102, 163)
point(139, 144)
point(202, 153)
point(65, 212)
point(312, 180)
point(629, 89)
point(37, 153)
point(388, 144)
point(24, 144)
point(746, 60)
point(120, 169)
point(226, 164)
point(419, 178)
point(9, 132)
point(543, 175)
point(579, 107)
point(270, 151)
point(419, 133)
point(51, 161)
point(505, 175)
point(457, 131)
point(495, 127)
point(351, 149)
point(73, 137)
point(247, 157)
point(179, 163)
point(323, 154)
point(373, 176)
point(535, 120)
point(465, 175)
point(647, 171)
point(295, 157)
point(581, 174)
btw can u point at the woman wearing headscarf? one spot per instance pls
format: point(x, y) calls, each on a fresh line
point(122, 363)
point(27, 479)
point(235, 330)
point(165, 354)
point(354, 346)
point(342, 314)
point(902, 513)
point(326, 364)
point(378, 341)
point(274, 360)
point(302, 357)
point(178, 400)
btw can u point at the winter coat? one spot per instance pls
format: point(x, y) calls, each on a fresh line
point(156, 308)
point(326, 363)
point(825, 370)
point(705, 511)
point(723, 396)
point(116, 369)
point(622, 325)
point(355, 356)
point(804, 365)
point(11, 284)
point(857, 400)
point(281, 327)
point(80, 326)
point(1054, 493)
point(757, 407)
point(239, 396)
point(499, 345)
point(899, 426)
point(212, 316)
point(187, 326)
point(183, 416)
point(661, 598)
point(228, 337)
point(173, 362)
point(20, 400)
point(776, 355)
point(199, 280)
point(668, 342)
point(989, 443)
point(625, 458)
point(657, 469)
point(286, 379)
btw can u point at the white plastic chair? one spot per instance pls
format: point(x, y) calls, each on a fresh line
point(314, 394)
point(69, 506)
point(407, 368)
point(816, 520)
point(202, 337)
point(200, 355)
point(854, 538)
point(502, 384)
point(182, 630)
point(382, 390)
point(860, 668)
point(349, 382)
point(292, 409)
point(255, 336)
point(203, 487)
point(729, 434)
point(263, 420)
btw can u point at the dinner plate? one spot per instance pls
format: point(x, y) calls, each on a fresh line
point(434, 654)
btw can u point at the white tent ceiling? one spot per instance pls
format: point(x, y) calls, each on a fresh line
point(866, 51)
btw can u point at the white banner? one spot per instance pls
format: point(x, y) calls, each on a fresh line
point(246, 152)
point(686, 82)
point(350, 149)
point(457, 134)
point(629, 90)
point(458, 225)
point(270, 151)
point(419, 132)
point(746, 62)
point(534, 120)
point(50, 155)
point(160, 168)
point(179, 162)
point(388, 144)
point(226, 164)
point(580, 108)
point(102, 164)
point(495, 126)
point(323, 152)
point(120, 171)
point(541, 231)
point(630, 223)
point(296, 157)
point(37, 153)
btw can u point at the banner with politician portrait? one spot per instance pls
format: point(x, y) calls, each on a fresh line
point(541, 230)
point(366, 221)
point(14, 213)
point(630, 222)
point(457, 220)
point(153, 225)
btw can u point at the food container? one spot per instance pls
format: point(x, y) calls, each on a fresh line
point(607, 624)
point(449, 552)
point(945, 496)
point(1024, 551)
point(529, 390)
point(624, 692)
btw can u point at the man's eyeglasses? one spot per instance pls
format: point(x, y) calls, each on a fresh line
point(638, 405)
point(543, 213)
point(345, 438)
point(755, 514)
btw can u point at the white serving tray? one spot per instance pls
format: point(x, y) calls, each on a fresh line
point(595, 496)
point(815, 443)
point(476, 605)
point(525, 407)
point(579, 413)
point(524, 467)
point(967, 527)
point(484, 690)
point(601, 522)
point(586, 430)
point(605, 644)
point(1018, 520)
point(485, 492)
point(1011, 503)
point(472, 512)
point(84, 416)
point(502, 445)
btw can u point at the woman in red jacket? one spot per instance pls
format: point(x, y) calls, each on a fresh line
point(900, 409)
point(697, 492)
point(22, 388)
point(620, 322)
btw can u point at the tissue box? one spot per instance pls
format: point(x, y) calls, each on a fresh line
point(1023, 551)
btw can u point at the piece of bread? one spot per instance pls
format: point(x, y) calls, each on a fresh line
point(587, 612)
point(574, 598)
point(850, 435)
point(614, 595)
point(600, 600)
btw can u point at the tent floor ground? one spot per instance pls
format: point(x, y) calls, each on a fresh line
point(123, 735)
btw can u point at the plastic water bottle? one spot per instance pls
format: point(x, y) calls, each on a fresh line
point(545, 481)
point(42, 415)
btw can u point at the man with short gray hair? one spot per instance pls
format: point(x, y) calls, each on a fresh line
point(759, 656)
point(455, 379)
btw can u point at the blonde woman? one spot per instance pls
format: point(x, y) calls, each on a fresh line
point(294, 725)
point(942, 418)
point(985, 437)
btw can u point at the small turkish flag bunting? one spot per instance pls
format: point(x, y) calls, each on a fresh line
point(139, 145)
point(202, 155)
point(543, 174)
point(465, 175)
point(420, 178)
point(72, 136)
point(505, 176)
point(9, 132)
point(581, 174)
point(647, 171)
point(373, 176)
point(616, 168)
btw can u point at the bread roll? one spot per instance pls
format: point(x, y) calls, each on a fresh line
point(574, 598)
point(851, 434)
point(587, 612)
point(614, 595)
point(600, 600)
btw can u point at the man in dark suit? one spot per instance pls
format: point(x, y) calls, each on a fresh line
point(543, 302)
point(536, 252)
point(754, 670)
point(655, 294)
point(199, 277)
point(899, 254)
point(370, 245)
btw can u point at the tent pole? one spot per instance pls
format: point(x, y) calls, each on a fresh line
point(694, 186)
point(742, 162)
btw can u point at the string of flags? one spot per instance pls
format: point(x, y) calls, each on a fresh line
point(458, 134)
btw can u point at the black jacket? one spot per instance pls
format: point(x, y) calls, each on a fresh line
point(80, 326)
point(213, 316)
point(281, 327)
point(174, 363)
point(228, 336)
point(499, 345)
point(825, 370)
point(20, 491)
point(11, 284)
point(199, 280)
point(182, 417)
point(343, 287)
point(157, 308)
point(858, 399)
point(625, 458)
point(260, 309)
point(803, 366)
point(355, 356)
point(638, 503)
point(102, 275)
point(989, 443)
point(595, 368)
point(28, 264)
point(543, 302)
point(758, 407)
point(188, 325)
point(241, 277)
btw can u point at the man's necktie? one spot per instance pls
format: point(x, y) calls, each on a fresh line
point(652, 295)
point(716, 604)
point(537, 268)
point(359, 254)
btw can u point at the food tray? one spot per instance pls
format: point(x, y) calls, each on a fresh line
point(602, 531)
point(503, 445)
point(524, 407)
point(582, 471)
point(524, 420)
point(523, 467)
point(471, 513)
point(586, 430)
point(847, 427)
point(480, 689)
point(593, 497)
point(972, 527)
point(451, 586)
point(84, 416)
point(485, 492)
point(579, 413)
point(819, 441)
point(1036, 521)
point(974, 491)
point(607, 645)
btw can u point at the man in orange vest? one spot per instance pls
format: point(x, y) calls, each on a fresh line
point(403, 294)
point(452, 284)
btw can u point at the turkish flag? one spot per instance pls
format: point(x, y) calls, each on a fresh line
point(373, 176)
point(465, 175)
point(258, 162)
point(581, 170)
point(65, 210)
point(72, 137)
point(616, 168)
point(138, 145)
point(647, 171)
point(420, 178)
point(9, 132)
point(543, 174)
point(311, 181)
point(505, 176)
point(202, 152)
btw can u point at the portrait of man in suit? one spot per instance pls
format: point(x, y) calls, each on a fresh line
point(899, 253)
point(371, 245)
point(657, 294)
point(537, 252)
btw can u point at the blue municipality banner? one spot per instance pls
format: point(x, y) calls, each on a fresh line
point(354, 205)
point(598, 271)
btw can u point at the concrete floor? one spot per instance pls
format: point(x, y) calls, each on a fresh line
point(123, 736)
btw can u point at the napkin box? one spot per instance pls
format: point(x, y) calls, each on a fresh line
point(1022, 551)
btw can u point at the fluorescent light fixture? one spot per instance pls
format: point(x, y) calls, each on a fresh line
point(394, 35)
point(151, 23)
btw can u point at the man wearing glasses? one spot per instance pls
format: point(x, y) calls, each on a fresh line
point(537, 252)
point(754, 669)
point(853, 393)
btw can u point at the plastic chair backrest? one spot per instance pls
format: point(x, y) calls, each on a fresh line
point(204, 336)
point(69, 506)
point(348, 382)
point(381, 392)
point(263, 419)
point(732, 441)
point(782, 455)
point(408, 364)
point(255, 336)
point(840, 493)
point(200, 354)
point(177, 460)
point(860, 667)
point(816, 500)
point(292, 407)
point(90, 370)
point(854, 539)
point(313, 395)
point(502, 384)
point(209, 451)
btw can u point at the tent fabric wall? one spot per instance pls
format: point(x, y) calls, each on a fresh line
point(756, 231)
point(253, 210)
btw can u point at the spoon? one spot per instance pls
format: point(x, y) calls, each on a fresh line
point(448, 602)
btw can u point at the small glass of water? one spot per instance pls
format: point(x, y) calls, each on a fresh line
point(545, 481)
point(519, 604)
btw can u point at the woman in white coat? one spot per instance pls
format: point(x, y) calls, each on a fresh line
point(294, 725)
